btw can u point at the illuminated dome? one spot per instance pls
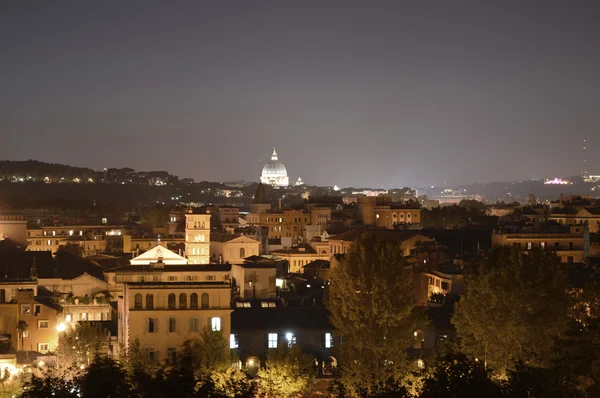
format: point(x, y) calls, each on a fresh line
point(274, 172)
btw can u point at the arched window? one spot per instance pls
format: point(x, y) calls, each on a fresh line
point(137, 302)
point(171, 301)
point(242, 252)
point(204, 300)
point(149, 301)
point(182, 301)
point(193, 300)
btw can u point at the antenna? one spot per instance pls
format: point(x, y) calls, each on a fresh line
point(584, 172)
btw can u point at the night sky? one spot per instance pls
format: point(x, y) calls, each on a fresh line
point(367, 93)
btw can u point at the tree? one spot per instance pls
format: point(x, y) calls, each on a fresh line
point(210, 352)
point(372, 306)
point(22, 326)
point(79, 346)
point(72, 248)
point(515, 307)
point(457, 376)
point(140, 368)
point(105, 378)
point(63, 383)
point(287, 372)
point(155, 216)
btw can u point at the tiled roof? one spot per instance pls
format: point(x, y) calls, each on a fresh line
point(318, 264)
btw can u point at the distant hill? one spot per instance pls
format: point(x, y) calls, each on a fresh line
point(36, 171)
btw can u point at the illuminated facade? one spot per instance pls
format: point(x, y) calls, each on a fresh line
point(197, 237)
point(274, 173)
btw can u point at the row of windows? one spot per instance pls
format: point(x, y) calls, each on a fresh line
point(274, 339)
point(438, 283)
point(171, 301)
point(531, 245)
point(172, 327)
point(197, 224)
point(157, 278)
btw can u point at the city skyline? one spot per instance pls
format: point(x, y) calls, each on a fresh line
point(379, 95)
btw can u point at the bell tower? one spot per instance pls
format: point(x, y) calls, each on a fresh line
point(197, 236)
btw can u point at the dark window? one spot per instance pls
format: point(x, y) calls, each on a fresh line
point(171, 301)
point(570, 245)
point(242, 252)
point(172, 325)
point(172, 355)
point(151, 325)
point(149, 301)
point(182, 301)
point(556, 245)
point(137, 302)
point(204, 300)
point(193, 300)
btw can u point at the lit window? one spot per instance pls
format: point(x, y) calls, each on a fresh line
point(26, 334)
point(328, 340)
point(215, 324)
point(43, 347)
point(377, 216)
point(233, 341)
point(25, 309)
point(272, 340)
point(68, 317)
point(291, 339)
point(42, 324)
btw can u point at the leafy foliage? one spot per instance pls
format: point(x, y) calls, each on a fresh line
point(105, 378)
point(72, 248)
point(372, 307)
point(287, 372)
point(515, 307)
point(79, 346)
point(457, 376)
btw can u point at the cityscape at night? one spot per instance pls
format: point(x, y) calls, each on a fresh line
point(300, 199)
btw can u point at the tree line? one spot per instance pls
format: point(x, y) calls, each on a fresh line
point(522, 330)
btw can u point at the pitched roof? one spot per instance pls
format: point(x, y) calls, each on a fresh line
point(260, 196)
point(157, 253)
point(318, 264)
point(300, 249)
point(220, 237)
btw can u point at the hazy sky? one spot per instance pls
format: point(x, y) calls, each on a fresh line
point(368, 93)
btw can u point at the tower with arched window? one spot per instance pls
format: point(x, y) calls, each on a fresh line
point(197, 236)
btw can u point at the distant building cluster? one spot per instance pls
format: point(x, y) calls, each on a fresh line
point(258, 272)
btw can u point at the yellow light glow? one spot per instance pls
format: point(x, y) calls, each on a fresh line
point(61, 327)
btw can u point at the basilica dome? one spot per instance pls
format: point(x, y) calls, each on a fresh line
point(274, 172)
